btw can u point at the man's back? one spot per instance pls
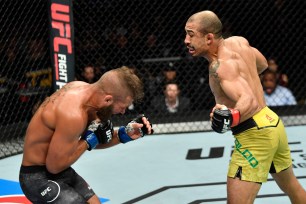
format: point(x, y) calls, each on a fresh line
point(44, 122)
point(237, 62)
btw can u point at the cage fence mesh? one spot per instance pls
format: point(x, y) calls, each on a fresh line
point(148, 37)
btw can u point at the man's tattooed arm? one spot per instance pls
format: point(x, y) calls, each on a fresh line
point(213, 69)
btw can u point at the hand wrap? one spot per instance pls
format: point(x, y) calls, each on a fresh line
point(123, 131)
point(98, 133)
point(224, 119)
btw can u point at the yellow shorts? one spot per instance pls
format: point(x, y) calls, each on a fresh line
point(260, 148)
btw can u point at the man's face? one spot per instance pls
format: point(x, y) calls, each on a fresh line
point(117, 107)
point(171, 92)
point(89, 73)
point(121, 104)
point(195, 40)
point(170, 74)
point(269, 83)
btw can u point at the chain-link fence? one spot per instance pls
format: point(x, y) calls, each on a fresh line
point(147, 36)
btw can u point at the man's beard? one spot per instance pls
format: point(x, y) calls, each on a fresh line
point(105, 113)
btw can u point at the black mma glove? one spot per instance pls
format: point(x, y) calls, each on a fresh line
point(98, 133)
point(224, 119)
point(123, 131)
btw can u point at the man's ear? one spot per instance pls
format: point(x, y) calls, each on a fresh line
point(109, 99)
point(210, 38)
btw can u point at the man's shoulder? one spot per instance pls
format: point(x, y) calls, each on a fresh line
point(235, 43)
point(71, 108)
point(235, 39)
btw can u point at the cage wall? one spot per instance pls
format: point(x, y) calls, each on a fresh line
point(147, 36)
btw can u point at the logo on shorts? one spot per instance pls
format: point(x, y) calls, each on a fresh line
point(44, 192)
point(270, 119)
point(246, 154)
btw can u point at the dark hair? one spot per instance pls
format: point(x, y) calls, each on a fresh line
point(269, 71)
point(171, 82)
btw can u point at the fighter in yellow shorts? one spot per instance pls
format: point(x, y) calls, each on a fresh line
point(261, 149)
point(261, 143)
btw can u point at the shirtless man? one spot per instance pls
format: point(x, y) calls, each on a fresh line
point(69, 122)
point(261, 144)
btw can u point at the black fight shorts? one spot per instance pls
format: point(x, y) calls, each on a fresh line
point(40, 186)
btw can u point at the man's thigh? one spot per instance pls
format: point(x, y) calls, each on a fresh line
point(241, 192)
point(253, 154)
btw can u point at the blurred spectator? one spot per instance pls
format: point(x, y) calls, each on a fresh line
point(123, 52)
point(151, 85)
point(100, 69)
point(168, 74)
point(151, 47)
point(136, 41)
point(89, 74)
point(281, 77)
point(171, 102)
point(155, 48)
point(37, 54)
point(195, 84)
point(275, 94)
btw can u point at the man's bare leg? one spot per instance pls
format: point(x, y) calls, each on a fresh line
point(241, 192)
point(287, 181)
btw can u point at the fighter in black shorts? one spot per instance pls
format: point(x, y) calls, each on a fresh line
point(40, 186)
point(74, 119)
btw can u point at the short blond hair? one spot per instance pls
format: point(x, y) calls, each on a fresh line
point(121, 82)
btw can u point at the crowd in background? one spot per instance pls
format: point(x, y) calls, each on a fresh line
point(168, 91)
point(133, 36)
point(172, 93)
point(135, 33)
point(171, 87)
point(275, 85)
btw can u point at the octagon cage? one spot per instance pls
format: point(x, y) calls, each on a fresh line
point(148, 37)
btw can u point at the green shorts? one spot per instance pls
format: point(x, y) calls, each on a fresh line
point(260, 149)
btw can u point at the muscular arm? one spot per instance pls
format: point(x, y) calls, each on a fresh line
point(261, 61)
point(237, 89)
point(65, 147)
